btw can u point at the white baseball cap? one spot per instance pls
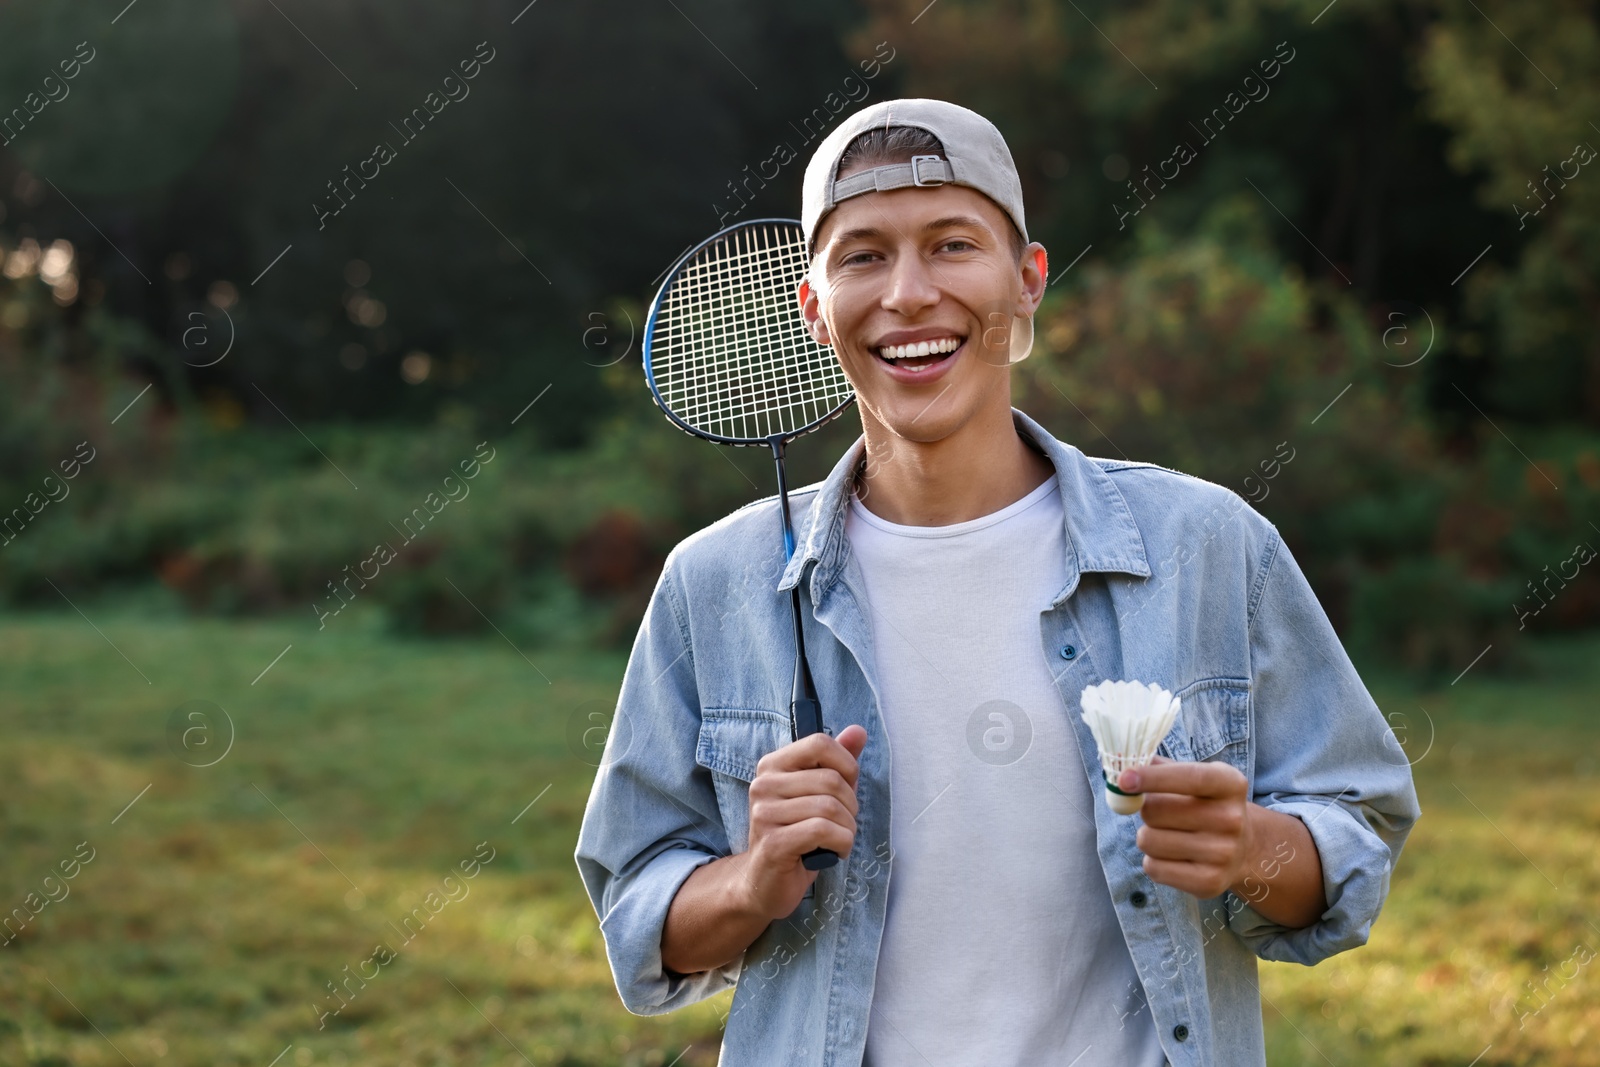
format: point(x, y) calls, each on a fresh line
point(975, 155)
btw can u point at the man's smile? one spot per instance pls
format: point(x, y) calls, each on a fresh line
point(913, 358)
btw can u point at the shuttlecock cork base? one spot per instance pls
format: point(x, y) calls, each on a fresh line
point(1128, 721)
point(1123, 803)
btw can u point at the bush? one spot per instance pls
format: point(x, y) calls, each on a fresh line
point(1427, 537)
point(1210, 356)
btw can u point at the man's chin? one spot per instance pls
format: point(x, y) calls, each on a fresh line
point(925, 420)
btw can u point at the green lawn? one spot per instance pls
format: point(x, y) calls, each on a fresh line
point(218, 907)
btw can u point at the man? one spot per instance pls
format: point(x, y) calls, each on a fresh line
point(965, 575)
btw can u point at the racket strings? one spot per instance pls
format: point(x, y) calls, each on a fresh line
point(731, 355)
point(734, 337)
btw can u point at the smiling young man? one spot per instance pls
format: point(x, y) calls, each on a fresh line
point(964, 576)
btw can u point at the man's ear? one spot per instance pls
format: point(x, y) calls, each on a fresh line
point(812, 312)
point(1035, 268)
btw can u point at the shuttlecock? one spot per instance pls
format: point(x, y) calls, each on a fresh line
point(1128, 720)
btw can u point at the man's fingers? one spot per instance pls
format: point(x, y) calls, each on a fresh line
point(815, 782)
point(1191, 779)
point(792, 810)
point(853, 738)
point(814, 750)
point(1174, 811)
point(1182, 846)
point(797, 839)
point(1196, 879)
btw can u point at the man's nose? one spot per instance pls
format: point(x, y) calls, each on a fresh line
point(913, 284)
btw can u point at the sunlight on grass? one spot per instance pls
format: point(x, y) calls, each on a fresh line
point(219, 907)
point(231, 905)
point(1494, 893)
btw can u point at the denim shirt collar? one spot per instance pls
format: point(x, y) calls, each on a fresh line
point(1101, 532)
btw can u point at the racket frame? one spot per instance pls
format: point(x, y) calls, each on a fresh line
point(649, 347)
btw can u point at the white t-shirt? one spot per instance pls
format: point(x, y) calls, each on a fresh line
point(1001, 945)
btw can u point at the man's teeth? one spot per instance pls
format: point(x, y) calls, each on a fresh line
point(920, 348)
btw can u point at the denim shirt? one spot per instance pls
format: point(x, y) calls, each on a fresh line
point(1170, 579)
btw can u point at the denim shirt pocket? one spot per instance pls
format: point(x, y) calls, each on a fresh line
point(1213, 723)
point(732, 741)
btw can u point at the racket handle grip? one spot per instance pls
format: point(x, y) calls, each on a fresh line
point(807, 721)
point(819, 859)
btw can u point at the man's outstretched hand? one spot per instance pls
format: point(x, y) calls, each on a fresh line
point(1202, 834)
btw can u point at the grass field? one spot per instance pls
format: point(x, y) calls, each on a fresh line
point(219, 902)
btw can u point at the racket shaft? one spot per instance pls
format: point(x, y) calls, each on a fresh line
point(805, 718)
point(805, 711)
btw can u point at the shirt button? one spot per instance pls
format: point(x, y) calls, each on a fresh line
point(1137, 898)
point(1068, 652)
point(1181, 1032)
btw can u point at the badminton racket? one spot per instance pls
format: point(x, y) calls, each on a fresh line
point(728, 358)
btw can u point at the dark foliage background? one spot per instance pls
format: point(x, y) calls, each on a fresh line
point(1348, 270)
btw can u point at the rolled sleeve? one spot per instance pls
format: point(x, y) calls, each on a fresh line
point(652, 815)
point(632, 927)
point(1325, 754)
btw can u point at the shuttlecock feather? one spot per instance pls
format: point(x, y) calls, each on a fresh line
point(1128, 720)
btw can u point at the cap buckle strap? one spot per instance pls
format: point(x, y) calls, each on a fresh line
point(922, 170)
point(916, 171)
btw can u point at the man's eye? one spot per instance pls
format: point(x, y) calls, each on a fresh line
point(958, 244)
point(855, 257)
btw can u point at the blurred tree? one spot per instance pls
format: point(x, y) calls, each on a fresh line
point(1392, 143)
point(1258, 210)
point(1521, 97)
point(1095, 98)
point(593, 144)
